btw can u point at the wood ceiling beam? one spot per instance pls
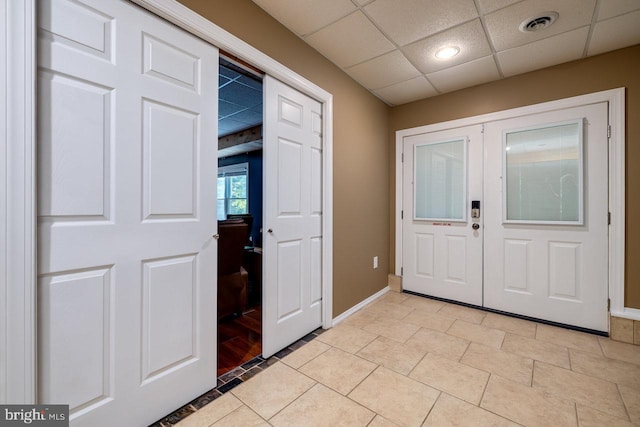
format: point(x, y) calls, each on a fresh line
point(248, 135)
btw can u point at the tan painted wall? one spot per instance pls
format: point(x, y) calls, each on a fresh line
point(607, 71)
point(360, 160)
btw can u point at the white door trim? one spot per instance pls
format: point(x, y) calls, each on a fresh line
point(18, 177)
point(17, 203)
point(616, 100)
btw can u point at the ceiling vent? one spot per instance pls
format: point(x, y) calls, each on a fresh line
point(538, 23)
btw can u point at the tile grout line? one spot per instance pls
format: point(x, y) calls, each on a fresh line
point(624, 404)
point(435, 402)
point(294, 400)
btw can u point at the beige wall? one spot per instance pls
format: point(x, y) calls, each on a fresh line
point(360, 160)
point(608, 71)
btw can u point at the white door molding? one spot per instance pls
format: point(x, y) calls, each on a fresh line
point(18, 176)
point(616, 100)
point(17, 202)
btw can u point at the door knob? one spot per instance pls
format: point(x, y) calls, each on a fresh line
point(216, 236)
point(475, 226)
point(270, 231)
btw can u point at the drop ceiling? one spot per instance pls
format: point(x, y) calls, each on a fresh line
point(240, 99)
point(389, 46)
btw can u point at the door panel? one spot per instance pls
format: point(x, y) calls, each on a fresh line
point(292, 304)
point(553, 266)
point(127, 169)
point(442, 253)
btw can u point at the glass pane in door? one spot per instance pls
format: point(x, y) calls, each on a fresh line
point(440, 182)
point(543, 174)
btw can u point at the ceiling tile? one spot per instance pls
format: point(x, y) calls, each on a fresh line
point(226, 108)
point(384, 70)
point(228, 126)
point(306, 16)
point(251, 82)
point(227, 72)
point(544, 53)
point(469, 74)
point(240, 94)
point(410, 20)
point(487, 6)
point(349, 41)
point(247, 116)
point(468, 37)
point(615, 33)
point(610, 8)
point(503, 25)
point(411, 90)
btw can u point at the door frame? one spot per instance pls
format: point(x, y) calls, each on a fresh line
point(616, 244)
point(18, 42)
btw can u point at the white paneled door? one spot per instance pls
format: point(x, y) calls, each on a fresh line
point(442, 252)
point(292, 305)
point(546, 226)
point(126, 185)
point(540, 245)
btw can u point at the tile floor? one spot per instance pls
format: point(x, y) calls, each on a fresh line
point(410, 361)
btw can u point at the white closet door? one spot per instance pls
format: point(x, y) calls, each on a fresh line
point(546, 227)
point(127, 170)
point(292, 303)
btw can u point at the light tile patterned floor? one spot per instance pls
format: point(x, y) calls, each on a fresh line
point(410, 361)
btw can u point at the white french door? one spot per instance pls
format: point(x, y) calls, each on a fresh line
point(442, 252)
point(541, 244)
point(292, 241)
point(127, 170)
point(546, 226)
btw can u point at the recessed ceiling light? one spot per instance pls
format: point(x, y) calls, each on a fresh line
point(447, 52)
point(540, 22)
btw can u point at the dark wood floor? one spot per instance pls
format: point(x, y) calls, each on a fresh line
point(239, 339)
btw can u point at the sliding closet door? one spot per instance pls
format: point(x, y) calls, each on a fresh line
point(292, 241)
point(127, 178)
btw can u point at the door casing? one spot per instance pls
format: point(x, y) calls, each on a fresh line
point(616, 244)
point(18, 207)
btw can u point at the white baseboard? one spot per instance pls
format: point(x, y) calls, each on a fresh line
point(627, 313)
point(359, 306)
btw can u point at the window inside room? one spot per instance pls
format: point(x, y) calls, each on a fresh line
point(233, 184)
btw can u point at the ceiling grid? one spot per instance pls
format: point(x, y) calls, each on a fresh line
point(389, 46)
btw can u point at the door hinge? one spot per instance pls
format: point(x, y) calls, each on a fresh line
point(609, 217)
point(401, 214)
point(401, 271)
point(608, 131)
point(609, 304)
point(402, 158)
